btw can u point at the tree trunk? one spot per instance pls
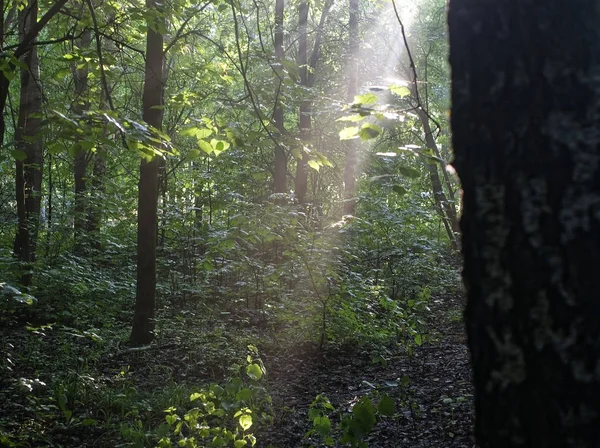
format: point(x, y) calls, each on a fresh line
point(82, 156)
point(28, 170)
point(351, 145)
point(307, 79)
point(525, 98)
point(446, 207)
point(143, 320)
point(25, 46)
point(301, 181)
point(280, 157)
point(94, 212)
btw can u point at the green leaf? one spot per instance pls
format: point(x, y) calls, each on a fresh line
point(366, 99)
point(314, 165)
point(369, 131)
point(418, 339)
point(409, 172)
point(348, 133)
point(399, 189)
point(401, 91)
point(18, 155)
point(322, 425)
point(240, 443)
point(205, 146)
point(195, 396)
point(254, 371)
point(364, 411)
point(386, 406)
point(405, 380)
point(172, 418)
point(245, 421)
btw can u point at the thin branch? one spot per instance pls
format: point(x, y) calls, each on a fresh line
point(179, 34)
point(100, 56)
point(25, 44)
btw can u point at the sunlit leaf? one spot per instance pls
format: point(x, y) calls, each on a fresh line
point(349, 133)
point(401, 91)
point(205, 146)
point(254, 371)
point(245, 421)
point(366, 99)
point(314, 165)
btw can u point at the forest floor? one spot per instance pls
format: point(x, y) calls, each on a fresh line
point(63, 387)
point(435, 407)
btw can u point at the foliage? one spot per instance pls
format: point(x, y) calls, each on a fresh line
point(223, 414)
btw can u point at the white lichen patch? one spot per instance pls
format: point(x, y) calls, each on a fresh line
point(534, 205)
point(540, 312)
point(578, 213)
point(510, 359)
point(496, 282)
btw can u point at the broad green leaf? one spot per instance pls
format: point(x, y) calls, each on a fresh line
point(240, 443)
point(386, 406)
point(366, 99)
point(254, 371)
point(245, 421)
point(409, 172)
point(18, 155)
point(418, 339)
point(401, 91)
point(405, 380)
point(205, 146)
point(322, 425)
point(369, 131)
point(349, 133)
point(172, 418)
point(195, 396)
point(364, 411)
point(399, 189)
point(314, 165)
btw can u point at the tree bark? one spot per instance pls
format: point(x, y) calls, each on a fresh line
point(446, 207)
point(28, 170)
point(280, 157)
point(301, 181)
point(143, 320)
point(23, 48)
point(82, 156)
point(351, 145)
point(307, 69)
point(525, 98)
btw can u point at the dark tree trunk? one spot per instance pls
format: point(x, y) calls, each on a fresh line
point(301, 181)
point(307, 78)
point(525, 97)
point(82, 156)
point(29, 170)
point(143, 320)
point(23, 48)
point(280, 157)
point(94, 212)
point(351, 145)
point(446, 207)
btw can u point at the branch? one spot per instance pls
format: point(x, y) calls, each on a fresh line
point(100, 57)
point(25, 44)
